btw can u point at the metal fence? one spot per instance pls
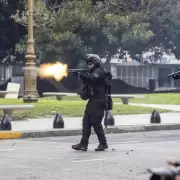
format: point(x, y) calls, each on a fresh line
point(136, 75)
point(7, 72)
point(140, 75)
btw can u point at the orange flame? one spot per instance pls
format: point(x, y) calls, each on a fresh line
point(57, 71)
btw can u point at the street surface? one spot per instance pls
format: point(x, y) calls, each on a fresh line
point(127, 158)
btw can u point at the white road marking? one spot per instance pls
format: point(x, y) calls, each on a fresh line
point(90, 160)
point(6, 150)
point(124, 142)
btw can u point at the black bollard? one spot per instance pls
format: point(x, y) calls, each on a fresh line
point(5, 124)
point(109, 119)
point(155, 117)
point(58, 121)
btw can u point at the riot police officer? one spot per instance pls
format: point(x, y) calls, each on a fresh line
point(95, 89)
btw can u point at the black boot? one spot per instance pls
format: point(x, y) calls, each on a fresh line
point(79, 147)
point(101, 147)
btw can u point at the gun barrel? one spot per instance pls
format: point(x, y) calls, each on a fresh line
point(77, 70)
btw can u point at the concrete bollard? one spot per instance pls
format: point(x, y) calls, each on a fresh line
point(155, 117)
point(5, 124)
point(109, 119)
point(58, 122)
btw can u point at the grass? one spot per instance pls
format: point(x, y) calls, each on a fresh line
point(49, 106)
point(166, 98)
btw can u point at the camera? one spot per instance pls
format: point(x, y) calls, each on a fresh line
point(175, 75)
point(166, 173)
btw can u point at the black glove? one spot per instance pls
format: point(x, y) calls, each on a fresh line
point(76, 73)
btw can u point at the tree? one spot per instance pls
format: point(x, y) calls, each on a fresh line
point(165, 23)
point(10, 32)
point(67, 30)
point(71, 29)
point(56, 30)
point(127, 27)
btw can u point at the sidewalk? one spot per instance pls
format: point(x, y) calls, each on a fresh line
point(35, 128)
point(76, 123)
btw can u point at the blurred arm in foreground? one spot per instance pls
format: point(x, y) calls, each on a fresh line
point(167, 173)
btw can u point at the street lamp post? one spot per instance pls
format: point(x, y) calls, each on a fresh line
point(30, 69)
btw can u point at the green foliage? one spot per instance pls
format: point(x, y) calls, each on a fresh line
point(78, 27)
point(72, 28)
point(9, 30)
point(165, 23)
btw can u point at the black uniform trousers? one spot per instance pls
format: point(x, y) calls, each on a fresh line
point(93, 117)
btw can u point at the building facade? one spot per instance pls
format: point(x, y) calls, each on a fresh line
point(138, 75)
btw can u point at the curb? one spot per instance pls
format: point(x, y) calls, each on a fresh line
point(10, 135)
point(75, 132)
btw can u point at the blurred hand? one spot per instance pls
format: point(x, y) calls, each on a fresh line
point(174, 163)
point(177, 177)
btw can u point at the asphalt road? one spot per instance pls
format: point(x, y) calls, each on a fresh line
point(127, 158)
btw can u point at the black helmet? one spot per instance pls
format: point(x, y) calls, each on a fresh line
point(94, 58)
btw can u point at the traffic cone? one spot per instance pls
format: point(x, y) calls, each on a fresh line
point(58, 121)
point(155, 117)
point(109, 119)
point(5, 124)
